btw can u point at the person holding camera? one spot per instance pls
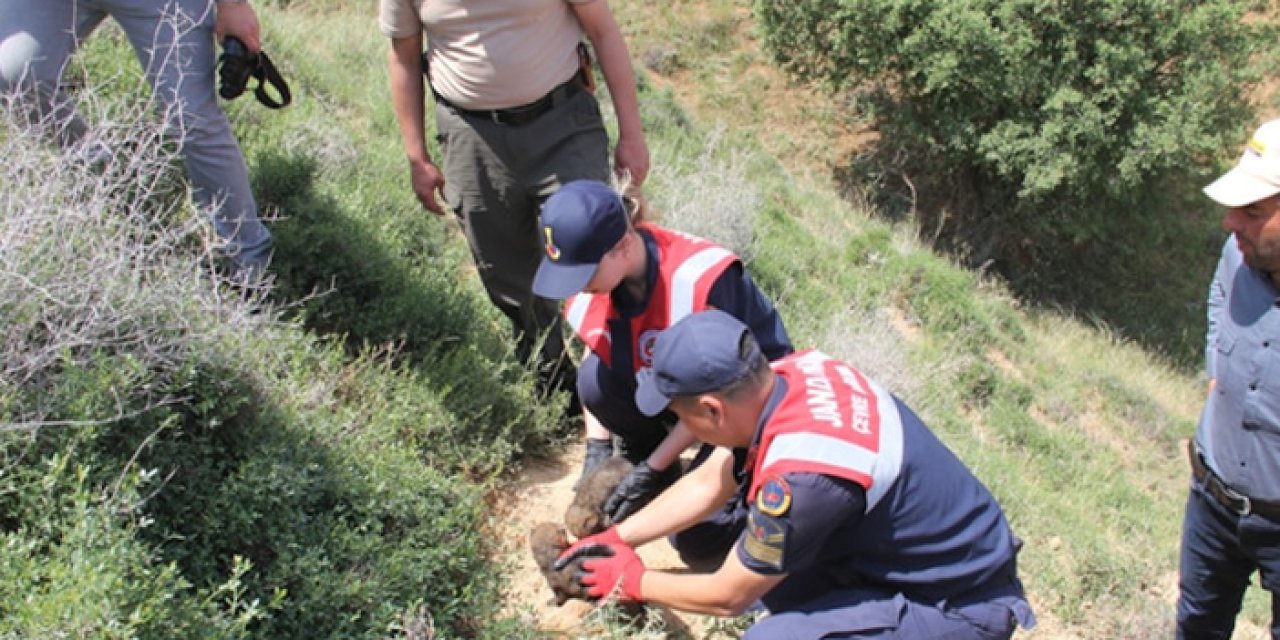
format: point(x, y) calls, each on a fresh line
point(515, 118)
point(174, 42)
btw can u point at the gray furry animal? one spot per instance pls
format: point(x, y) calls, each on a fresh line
point(547, 540)
point(585, 515)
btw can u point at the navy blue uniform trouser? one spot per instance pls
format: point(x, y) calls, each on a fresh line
point(811, 605)
point(1220, 551)
point(610, 397)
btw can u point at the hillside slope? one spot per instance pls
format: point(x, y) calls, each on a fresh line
point(1076, 430)
point(329, 472)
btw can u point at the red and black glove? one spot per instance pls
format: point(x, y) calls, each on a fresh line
point(589, 546)
point(621, 568)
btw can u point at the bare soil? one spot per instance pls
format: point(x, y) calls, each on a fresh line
point(542, 492)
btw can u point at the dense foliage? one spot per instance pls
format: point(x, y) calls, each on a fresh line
point(1088, 99)
point(179, 459)
point(1036, 131)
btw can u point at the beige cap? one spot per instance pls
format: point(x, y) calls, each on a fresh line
point(1257, 176)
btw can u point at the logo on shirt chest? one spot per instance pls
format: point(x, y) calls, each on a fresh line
point(644, 346)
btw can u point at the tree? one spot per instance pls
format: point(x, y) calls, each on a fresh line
point(1048, 117)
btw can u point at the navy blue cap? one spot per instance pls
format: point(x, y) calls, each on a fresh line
point(698, 354)
point(581, 222)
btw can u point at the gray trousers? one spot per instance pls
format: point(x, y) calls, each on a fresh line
point(174, 42)
point(496, 179)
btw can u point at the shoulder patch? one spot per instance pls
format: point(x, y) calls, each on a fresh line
point(774, 498)
point(765, 539)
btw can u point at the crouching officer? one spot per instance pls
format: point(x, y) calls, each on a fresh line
point(625, 282)
point(861, 522)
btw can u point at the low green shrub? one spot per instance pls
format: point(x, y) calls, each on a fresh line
point(1060, 145)
point(180, 462)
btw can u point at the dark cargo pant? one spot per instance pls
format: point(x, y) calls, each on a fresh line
point(496, 179)
point(1220, 551)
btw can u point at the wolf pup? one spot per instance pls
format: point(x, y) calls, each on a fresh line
point(547, 540)
point(585, 515)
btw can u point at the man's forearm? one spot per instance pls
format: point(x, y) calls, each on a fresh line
point(687, 502)
point(407, 100)
point(696, 593)
point(615, 65)
point(671, 447)
point(727, 592)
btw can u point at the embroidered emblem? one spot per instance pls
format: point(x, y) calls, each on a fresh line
point(553, 251)
point(766, 539)
point(645, 346)
point(774, 498)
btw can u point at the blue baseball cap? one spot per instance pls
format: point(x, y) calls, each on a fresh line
point(699, 354)
point(581, 222)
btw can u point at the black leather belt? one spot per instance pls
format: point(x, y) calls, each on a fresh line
point(526, 113)
point(1241, 504)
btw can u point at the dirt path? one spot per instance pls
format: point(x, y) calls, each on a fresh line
point(541, 494)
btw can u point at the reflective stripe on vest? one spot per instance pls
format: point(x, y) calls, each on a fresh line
point(588, 315)
point(838, 423)
point(689, 267)
point(684, 283)
point(576, 311)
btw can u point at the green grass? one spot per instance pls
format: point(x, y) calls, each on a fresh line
point(1075, 428)
point(330, 464)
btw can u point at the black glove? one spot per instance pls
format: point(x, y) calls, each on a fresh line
point(636, 490)
point(598, 450)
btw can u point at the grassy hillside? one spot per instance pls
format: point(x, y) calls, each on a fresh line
point(318, 471)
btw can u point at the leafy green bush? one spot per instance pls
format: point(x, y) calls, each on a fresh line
point(1061, 143)
point(77, 568)
point(1088, 99)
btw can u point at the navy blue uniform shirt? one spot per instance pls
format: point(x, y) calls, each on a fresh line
point(936, 535)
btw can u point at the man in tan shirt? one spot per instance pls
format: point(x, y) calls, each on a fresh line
point(514, 120)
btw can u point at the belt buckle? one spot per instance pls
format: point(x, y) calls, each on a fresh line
point(1246, 506)
point(496, 116)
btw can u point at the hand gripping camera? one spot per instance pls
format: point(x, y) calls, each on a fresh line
point(237, 65)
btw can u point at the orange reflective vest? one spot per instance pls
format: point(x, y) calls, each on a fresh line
point(833, 420)
point(687, 267)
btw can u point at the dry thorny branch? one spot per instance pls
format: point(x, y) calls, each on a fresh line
point(101, 256)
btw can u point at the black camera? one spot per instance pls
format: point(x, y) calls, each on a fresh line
point(235, 68)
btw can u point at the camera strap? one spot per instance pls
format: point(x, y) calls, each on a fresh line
point(267, 74)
